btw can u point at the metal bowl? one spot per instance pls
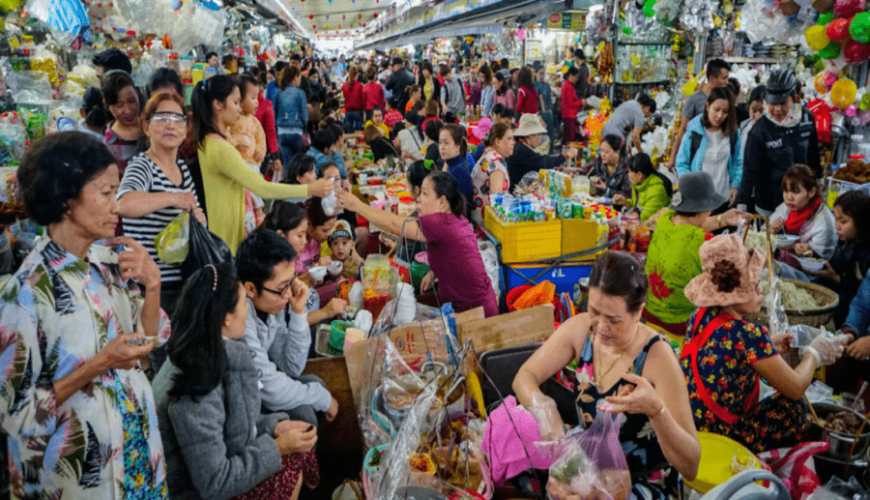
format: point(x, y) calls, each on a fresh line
point(839, 443)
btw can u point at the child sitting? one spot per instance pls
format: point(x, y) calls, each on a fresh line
point(249, 138)
point(803, 214)
point(342, 245)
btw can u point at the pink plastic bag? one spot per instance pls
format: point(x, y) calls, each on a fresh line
point(795, 467)
point(592, 464)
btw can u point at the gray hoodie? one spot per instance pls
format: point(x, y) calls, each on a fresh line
point(280, 350)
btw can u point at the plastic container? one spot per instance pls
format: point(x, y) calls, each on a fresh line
point(406, 206)
point(525, 241)
point(717, 461)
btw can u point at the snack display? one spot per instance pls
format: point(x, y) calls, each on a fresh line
point(793, 298)
point(856, 171)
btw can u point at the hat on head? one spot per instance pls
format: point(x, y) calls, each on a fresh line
point(529, 125)
point(696, 194)
point(482, 128)
point(730, 274)
point(341, 230)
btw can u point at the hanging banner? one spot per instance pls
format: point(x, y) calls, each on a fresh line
point(565, 21)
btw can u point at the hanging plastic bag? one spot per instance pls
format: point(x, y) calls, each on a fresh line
point(795, 467)
point(592, 464)
point(204, 248)
point(172, 243)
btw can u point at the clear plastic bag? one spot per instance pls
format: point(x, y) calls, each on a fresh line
point(172, 243)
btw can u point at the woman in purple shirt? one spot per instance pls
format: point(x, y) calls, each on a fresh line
point(452, 247)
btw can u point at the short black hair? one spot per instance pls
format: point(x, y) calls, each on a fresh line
point(498, 109)
point(716, 66)
point(210, 55)
point(111, 59)
point(398, 60)
point(433, 129)
point(758, 94)
point(322, 140)
point(258, 255)
point(645, 100)
point(579, 54)
point(299, 165)
point(620, 275)
point(54, 171)
point(161, 78)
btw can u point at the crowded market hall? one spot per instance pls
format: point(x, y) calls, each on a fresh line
point(435, 249)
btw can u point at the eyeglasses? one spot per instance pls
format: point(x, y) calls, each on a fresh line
point(282, 291)
point(164, 118)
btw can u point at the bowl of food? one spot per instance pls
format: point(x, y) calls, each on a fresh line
point(839, 428)
point(784, 240)
point(376, 180)
point(317, 272)
point(811, 263)
point(336, 267)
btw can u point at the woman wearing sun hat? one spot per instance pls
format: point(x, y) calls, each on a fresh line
point(525, 159)
point(725, 356)
point(672, 260)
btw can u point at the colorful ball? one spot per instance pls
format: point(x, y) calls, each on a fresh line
point(848, 8)
point(825, 18)
point(856, 52)
point(832, 51)
point(817, 37)
point(838, 30)
point(859, 28)
point(843, 93)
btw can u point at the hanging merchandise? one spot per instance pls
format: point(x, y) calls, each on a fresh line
point(68, 17)
point(856, 53)
point(838, 30)
point(697, 15)
point(843, 93)
point(859, 28)
point(817, 37)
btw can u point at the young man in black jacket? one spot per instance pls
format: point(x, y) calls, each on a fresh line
point(398, 84)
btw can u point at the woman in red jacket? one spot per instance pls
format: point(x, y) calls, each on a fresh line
point(571, 104)
point(527, 95)
point(354, 102)
point(266, 115)
point(373, 92)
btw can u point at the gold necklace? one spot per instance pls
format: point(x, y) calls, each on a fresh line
point(612, 365)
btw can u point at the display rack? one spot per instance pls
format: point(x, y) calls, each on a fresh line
point(616, 97)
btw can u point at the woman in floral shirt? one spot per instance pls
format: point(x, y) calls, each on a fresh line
point(77, 409)
point(490, 174)
point(724, 356)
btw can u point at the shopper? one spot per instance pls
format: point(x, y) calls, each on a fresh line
point(157, 187)
point(339, 149)
point(545, 94)
point(571, 105)
point(453, 148)
point(717, 76)
point(635, 376)
point(93, 113)
point(756, 111)
point(391, 118)
point(416, 95)
point(581, 86)
point(487, 91)
point(249, 139)
point(377, 119)
point(452, 93)
point(450, 242)
point(432, 131)
point(803, 214)
point(225, 174)
point(608, 174)
point(628, 120)
point(400, 85)
point(784, 136)
point(373, 93)
point(319, 227)
point(272, 86)
point(712, 144)
point(856, 326)
point(651, 191)
point(322, 149)
point(291, 113)
point(79, 317)
point(427, 81)
point(527, 95)
point(741, 105)
point(302, 169)
point(504, 95)
point(725, 393)
point(354, 101)
point(124, 131)
point(525, 157)
point(111, 59)
point(212, 378)
point(490, 174)
point(380, 146)
point(411, 141)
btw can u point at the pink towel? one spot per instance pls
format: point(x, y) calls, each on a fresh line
point(504, 444)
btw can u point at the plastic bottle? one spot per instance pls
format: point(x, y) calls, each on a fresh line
point(328, 204)
point(406, 206)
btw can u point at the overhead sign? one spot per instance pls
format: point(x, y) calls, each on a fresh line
point(565, 21)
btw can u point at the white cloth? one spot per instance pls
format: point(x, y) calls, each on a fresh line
point(716, 161)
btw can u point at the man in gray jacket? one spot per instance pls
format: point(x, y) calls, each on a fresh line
point(277, 328)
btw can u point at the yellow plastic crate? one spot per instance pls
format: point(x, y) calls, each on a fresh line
point(582, 234)
point(837, 187)
point(525, 241)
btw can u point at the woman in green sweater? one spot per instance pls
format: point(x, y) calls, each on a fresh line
point(650, 190)
point(225, 175)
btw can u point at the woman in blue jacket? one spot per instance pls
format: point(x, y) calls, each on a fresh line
point(291, 113)
point(713, 146)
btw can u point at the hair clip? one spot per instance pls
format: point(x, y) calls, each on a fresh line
point(429, 164)
point(205, 85)
point(213, 285)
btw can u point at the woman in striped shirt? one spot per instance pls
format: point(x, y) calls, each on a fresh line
point(157, 186)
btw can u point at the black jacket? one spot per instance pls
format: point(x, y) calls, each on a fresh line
point(398, 84)
point(525, 160)
point(851, 260)
point(381, 148)
point(770, 151)
point(436, 91)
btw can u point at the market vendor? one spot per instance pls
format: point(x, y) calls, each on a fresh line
point(451, 245)
point(124, 132)
point(525, 158)
point(672, 260)
point(608, 174)
point(784, 136)
point(623, 366)
point(629, 118)
point(651, 191)
point(725, 356)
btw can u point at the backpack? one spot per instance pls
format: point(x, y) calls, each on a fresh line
point(447, 90)
point(696, 144)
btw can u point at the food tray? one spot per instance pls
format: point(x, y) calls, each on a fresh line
point(812, 317)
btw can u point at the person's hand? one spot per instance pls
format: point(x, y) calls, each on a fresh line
point(324, 261)
point(321, 188)
point(427, 282)
point(299, 296)
point(349, 201)
point(183, 200)
point(200, 216)
point(335, 307)
point(297, 440)
point(123, 352)
point(826, 272)
point(859, 349)
point(643, 399)
point(733, 197)
point(828, 349)
point(776, 225)
point(550, 423)
point(332, 412)
point(597, 183)
point(781, 342)
point(733, 217)
point(803, 250)
point(289, 425)
point(277, 166)
point(136, 264)
point(571, 153)
point(619, 199)
point(406, 155)
point(672, 163)
point(241, 145)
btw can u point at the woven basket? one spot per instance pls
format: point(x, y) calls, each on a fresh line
point(814, 317)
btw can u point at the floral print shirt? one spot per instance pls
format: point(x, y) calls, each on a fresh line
point(56, 312)
point(490, 162)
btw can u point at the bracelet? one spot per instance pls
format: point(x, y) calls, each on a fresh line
point(719, 220)
point(658, 413)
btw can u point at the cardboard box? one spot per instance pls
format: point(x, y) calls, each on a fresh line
point(822, 5)
point(519, 328)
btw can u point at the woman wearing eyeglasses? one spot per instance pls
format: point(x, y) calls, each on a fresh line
point(157, 186)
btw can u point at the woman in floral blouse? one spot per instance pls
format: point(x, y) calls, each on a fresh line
point(490, 174)
point(725, 356)
point(75, 320)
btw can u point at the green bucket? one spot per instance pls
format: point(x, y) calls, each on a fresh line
point(418, 270)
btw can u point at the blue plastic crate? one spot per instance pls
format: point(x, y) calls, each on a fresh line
point(565, 276)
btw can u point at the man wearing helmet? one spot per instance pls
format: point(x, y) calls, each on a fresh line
point(784, 136)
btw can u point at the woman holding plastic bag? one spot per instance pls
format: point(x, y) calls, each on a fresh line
point(623, 366)
point(722, 346)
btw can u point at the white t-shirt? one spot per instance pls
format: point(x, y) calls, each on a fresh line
point(716, 161)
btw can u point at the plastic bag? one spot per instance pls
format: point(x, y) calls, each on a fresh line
point(837, 489)
point(592, 464)
point(795, 467)
point(204, 248)
point(172, 243)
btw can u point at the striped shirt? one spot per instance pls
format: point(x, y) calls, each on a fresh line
point(144, 176)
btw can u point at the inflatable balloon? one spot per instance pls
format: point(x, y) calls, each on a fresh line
point(856, 52)
point(848, 8)
point(838, 30)
point(865, 103)
point(843, 93)
point(832, 51)
point(859, 28)
point(825, 18)
point(819, 84)
point(851, 111)
point(817, 37)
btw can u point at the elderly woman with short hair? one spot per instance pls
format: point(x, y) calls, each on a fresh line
point(76, 318)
